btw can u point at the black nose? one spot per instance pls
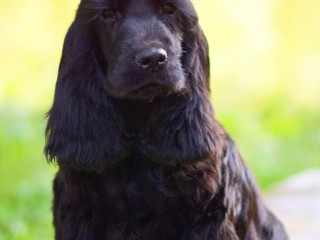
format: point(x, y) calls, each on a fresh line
point(151, 59)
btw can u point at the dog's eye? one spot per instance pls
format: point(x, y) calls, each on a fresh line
point(167, 8)
point(109, 15)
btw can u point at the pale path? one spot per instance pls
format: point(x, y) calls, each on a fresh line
point(296, 202)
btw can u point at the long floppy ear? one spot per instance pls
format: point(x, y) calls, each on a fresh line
point(183, 129)
point(83, 130)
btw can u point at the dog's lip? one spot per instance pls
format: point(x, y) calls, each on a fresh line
point(149, 90)
point(150, 87)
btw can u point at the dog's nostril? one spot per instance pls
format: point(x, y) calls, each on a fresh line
point(146, 61)
point(151, 59)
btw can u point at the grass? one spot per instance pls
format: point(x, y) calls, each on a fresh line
point(277, 145)
point(25, 182)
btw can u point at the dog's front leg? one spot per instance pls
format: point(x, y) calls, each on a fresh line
point(75, 213)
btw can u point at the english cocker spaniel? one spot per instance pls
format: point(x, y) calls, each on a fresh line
point(140, 153)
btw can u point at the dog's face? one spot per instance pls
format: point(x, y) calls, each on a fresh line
point(141, 42)
point(132, 50)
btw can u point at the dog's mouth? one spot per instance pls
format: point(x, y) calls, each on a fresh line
point(149, 91)
point(147, 87)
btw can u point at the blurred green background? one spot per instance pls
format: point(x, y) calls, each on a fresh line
point(265, 59)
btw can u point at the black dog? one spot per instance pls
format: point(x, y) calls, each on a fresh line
point(141, 155)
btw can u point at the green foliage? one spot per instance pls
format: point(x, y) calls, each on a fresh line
point(265, 59)
point(275, 143)
point(25, 177)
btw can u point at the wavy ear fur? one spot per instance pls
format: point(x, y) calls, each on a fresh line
point(82, 130)
point(182, 128)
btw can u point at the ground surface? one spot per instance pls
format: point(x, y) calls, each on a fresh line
point(296, 202)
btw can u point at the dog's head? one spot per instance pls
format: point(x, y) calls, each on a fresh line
point(131, 50)
point(140, 44)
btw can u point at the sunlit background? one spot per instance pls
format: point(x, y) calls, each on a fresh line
point(265, 57)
